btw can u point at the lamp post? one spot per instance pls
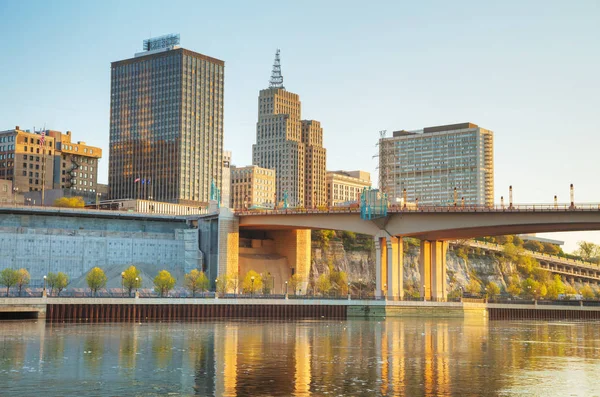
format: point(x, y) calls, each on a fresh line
point(349, 291)
point(137, 280)
point(424, 298)
point(252, 288)
point(216, 288)
point(28, 200)
point(97, 200)
point(286, 290)
point(44, 291)
point(122, 284)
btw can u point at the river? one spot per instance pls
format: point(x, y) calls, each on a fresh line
point(412, 357)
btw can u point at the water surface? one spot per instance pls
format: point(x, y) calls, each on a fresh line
point(412, 357)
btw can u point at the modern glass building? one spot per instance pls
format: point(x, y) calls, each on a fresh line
point(432, 162)
point(166, 124)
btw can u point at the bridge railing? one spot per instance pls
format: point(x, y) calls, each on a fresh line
point(584, 207)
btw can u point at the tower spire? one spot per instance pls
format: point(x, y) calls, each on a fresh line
point(276, 77)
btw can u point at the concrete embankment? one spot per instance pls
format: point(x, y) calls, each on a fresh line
point(175, 309)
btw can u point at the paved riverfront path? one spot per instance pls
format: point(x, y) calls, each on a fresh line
point(409, 356)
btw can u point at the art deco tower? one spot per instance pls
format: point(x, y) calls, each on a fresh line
point(290, 146)
point(166, 124)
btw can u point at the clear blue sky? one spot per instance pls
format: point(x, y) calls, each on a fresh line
point(529, 71)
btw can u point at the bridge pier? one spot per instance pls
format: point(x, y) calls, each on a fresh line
point(432, 267)
point(389, 262)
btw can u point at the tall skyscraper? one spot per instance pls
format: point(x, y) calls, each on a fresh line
point(166, 124)
point(284, 141)
point(432, 162)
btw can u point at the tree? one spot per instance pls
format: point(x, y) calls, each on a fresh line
point(474, 287)
point(587, 292)
point(323, 284)
point(131, 279)
point(531, 288)
point(339, 281)
point(517, 241)
point(555, 288)
point(96, 279)
point(587, 250)
point(164, 282)
point(527, 264)
point(295, 282)
point(223, 284)
point(267, 283)
point(323, 237)
point(505, 239)
point(24, 279)
point(551, 249)
point(58, 281)
point(511, 252)
point(249, 286)
point(533, 245)
point(8, 278)
point(514, 290)
point(69, 202)
point(492, 289)
point(196, 281)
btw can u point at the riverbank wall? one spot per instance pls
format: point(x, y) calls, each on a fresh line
point(183, 309)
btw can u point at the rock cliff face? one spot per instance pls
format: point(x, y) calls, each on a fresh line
point(360, 265)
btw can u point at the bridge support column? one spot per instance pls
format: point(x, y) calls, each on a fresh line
point(395, 262)
point(425, 269)
point(439, 249)
point(378, 277)
point(432, 267)
point(389, 261)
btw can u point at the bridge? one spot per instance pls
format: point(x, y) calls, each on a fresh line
point(434, 226)
point(575, 270)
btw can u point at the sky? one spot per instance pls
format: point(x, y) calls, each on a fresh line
point(527, 70)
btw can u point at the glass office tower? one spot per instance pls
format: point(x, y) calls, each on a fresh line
point(166, 125)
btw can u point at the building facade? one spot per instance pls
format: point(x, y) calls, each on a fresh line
point(315, 164)
point(53, 161)
point(252, 186)
point(346, 186)
point(432, 162)
point(166, 125)
point(283, 142)
point(226, 185)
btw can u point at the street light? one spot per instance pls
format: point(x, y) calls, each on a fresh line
point(286, 284)
point(348, 289)
point(122, 284)
point(44, 292)
point(15, 191)
point(252, 289)
point(137, 280)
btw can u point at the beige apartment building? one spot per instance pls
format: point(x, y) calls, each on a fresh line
point(290, 146)
point(346, 186)
point(54, 163)
point(252, 186)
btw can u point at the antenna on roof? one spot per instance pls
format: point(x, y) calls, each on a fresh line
point(276, 77)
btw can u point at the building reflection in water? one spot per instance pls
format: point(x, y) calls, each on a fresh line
point(410, 356)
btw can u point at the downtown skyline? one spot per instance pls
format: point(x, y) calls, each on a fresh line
point(357, 70)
